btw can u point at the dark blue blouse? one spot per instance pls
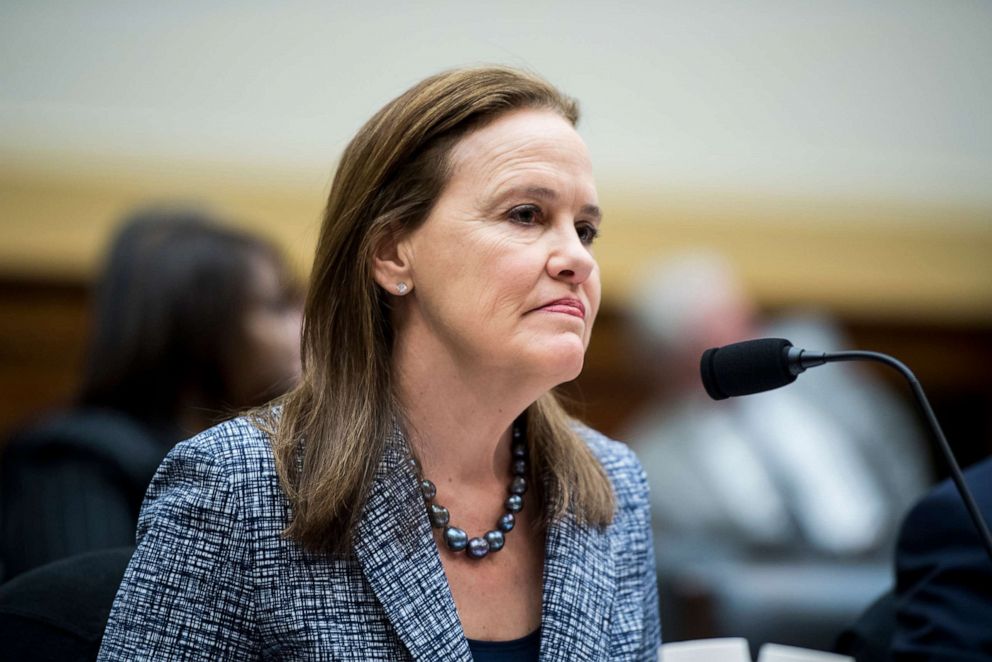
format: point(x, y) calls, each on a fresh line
point(524, 649)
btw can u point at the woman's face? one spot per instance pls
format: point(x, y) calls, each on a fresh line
point(502, 272)
point(268, 363)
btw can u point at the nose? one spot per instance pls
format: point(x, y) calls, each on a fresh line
point(569, 259)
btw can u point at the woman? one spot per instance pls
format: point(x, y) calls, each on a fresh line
point(421, 494)
point(192, 321)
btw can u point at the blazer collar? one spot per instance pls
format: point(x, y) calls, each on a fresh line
point(397, 554)
point(579, 588)
point(396, 551)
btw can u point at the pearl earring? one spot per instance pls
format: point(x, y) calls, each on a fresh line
point(401, 288)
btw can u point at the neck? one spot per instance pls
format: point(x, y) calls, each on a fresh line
point(458, 419)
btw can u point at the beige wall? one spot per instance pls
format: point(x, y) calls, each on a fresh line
point(869, 260)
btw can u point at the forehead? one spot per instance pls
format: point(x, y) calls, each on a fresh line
point(522, 143)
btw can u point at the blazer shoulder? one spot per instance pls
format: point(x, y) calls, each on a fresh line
point(621, 465)
point(235, 453)
point(236, 444)
point(229, 468)
point(940, 518)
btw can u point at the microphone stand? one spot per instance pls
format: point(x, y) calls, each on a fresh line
point(800, 359)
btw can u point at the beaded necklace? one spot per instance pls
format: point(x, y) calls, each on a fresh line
point(456, 539)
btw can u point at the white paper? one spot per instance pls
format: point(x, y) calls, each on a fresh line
point(778, 653)
point(706, 650)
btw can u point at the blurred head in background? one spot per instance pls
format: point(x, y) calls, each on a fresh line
point(192, 320)
point(685, 305)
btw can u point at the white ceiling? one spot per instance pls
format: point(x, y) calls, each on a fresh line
point(884, 99)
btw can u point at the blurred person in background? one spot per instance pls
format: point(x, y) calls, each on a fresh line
point(824, 469)
point(192, 322)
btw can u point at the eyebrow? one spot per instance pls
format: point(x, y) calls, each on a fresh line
point(545, 193)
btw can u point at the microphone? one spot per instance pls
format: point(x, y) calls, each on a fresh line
point(746, 367)
point(753, 366)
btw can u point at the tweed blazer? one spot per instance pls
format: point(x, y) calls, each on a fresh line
point(213, 578)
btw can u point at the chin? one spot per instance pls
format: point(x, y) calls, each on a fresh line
point(561, 363)
point(570, 374)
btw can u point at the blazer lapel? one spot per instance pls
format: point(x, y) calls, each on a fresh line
point(579, 587)
point(400, 561)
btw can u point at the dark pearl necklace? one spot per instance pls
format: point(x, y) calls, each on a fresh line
point(456, 539)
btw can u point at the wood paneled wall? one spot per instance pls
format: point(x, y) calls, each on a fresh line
point(43, 326)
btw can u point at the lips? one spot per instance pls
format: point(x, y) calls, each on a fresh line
point(572, 307)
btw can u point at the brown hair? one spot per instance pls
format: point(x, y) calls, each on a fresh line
point(175, 286)
point(330, 435)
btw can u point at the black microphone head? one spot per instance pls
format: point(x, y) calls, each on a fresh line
point(747, 367)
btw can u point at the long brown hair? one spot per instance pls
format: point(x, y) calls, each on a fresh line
point(331, 432)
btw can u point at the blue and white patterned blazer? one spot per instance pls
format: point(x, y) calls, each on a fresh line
point(213, 579)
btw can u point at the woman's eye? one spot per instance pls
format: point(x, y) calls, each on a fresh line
point(587, 233)
point(525, 214)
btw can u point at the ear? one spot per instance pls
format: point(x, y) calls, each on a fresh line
point(391, 266)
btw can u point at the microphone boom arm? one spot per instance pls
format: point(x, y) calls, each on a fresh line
point(763, 364)
point(803, 359)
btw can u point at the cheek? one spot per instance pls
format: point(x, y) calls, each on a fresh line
point(513, 278)
point(495, 276)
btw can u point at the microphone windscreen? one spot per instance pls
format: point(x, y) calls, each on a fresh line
point(747, 367)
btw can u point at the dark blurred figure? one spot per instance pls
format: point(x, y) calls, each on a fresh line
point(941, 607)
point(58, 611)
point(192, 322)
point(944, 576)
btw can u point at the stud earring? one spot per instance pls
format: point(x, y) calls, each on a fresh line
point(401, 288)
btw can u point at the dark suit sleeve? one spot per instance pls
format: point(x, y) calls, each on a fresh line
point(60, 507)
point(944, 578)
